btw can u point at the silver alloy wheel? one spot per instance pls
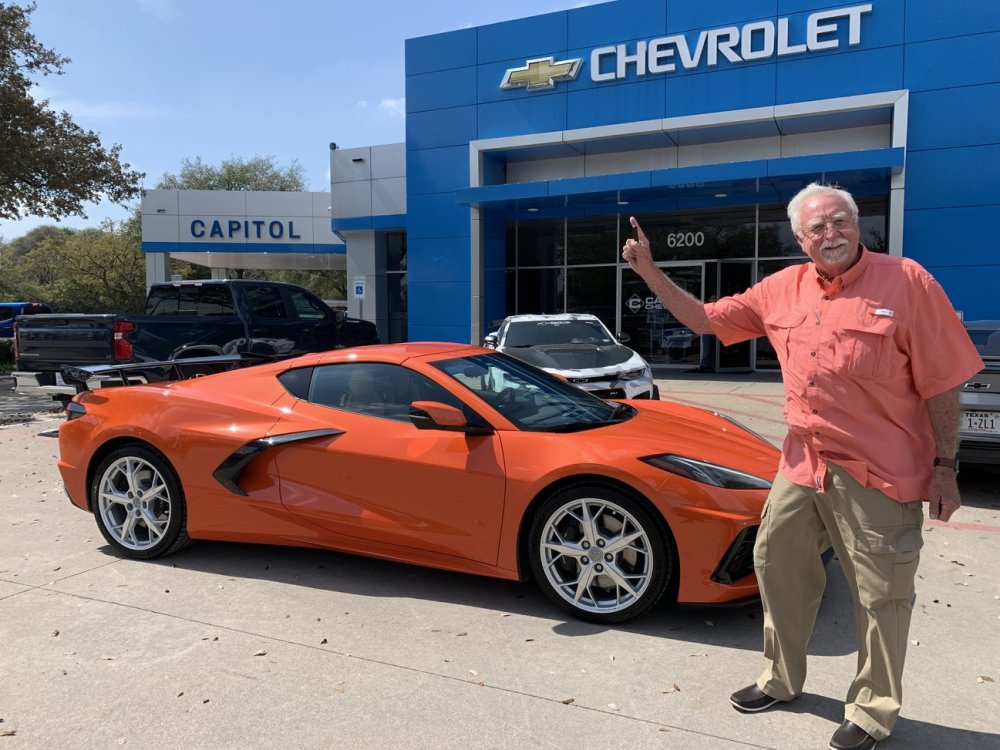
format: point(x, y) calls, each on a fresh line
point(134, 503)
point(596, 555)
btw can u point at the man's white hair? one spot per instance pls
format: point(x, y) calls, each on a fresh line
point(813, 189)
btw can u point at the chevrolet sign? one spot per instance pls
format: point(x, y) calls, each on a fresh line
point(757, 40)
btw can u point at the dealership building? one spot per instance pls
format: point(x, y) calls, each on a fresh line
point(529, 143)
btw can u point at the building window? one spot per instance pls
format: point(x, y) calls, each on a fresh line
point(540, 290)
point(698, 235)
point(590, 289)
point(591, 239)
point(541, 243)
point(395, 272)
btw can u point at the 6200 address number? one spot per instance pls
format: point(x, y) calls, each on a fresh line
point(685, 239)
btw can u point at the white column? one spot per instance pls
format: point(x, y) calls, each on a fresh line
point(157, 268)
point(363, 260)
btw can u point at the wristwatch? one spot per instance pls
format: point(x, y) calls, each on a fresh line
point(948, 463)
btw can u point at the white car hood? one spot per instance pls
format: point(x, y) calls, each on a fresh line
point(580, 360)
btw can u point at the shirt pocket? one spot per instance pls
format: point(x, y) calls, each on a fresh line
point(865, 345)
point(781, 328)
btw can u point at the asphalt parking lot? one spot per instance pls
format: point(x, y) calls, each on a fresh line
point(241, 646)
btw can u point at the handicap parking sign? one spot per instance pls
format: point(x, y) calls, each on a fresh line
point(358, 282)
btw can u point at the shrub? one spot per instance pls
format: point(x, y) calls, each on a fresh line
point(6, 354)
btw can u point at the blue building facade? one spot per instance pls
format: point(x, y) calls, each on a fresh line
point(529, 144)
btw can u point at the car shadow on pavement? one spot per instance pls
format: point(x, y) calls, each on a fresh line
point(740, 626)
point(725, 627)
point(979, 485)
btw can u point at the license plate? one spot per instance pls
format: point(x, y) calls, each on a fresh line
point(983, 422)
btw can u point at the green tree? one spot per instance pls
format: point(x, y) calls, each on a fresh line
point(21, 277)
point(258, 173)
point(49, 166)
point(90, 270)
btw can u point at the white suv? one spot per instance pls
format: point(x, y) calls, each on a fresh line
point(579, 348)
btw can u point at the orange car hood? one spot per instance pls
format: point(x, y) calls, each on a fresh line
point(664, 427)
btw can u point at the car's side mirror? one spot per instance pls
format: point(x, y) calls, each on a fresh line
point(339, 316)
point(624, 338)
point(490, 341)
point(433, 415)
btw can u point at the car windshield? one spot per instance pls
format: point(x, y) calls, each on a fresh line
point(985, 334)
point(521, 333)
point(532, 399)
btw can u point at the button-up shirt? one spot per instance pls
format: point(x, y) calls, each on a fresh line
point(860, 355)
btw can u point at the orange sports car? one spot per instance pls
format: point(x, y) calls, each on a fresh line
point(436, 454)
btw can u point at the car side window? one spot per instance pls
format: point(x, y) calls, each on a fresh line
point(307, 307)
point(376, 389)
point(297, 381)
point(266, 302)
point(206, 300)
point(162, 300)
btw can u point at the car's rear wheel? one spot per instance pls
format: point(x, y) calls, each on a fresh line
point(600, 554)
point(138, 503)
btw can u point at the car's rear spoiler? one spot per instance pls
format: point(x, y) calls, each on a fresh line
point(86, 378)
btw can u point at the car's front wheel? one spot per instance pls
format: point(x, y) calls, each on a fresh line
point(138, 503)
point(599, 554)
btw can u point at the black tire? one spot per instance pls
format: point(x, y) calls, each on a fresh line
point(656, 393)
point(574, 541)
point(150, 525)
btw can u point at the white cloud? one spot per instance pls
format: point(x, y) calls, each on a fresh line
point(394, 106)
point(390, 107)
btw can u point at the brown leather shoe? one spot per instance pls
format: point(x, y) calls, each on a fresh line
point(849, 736)
point(751, 699)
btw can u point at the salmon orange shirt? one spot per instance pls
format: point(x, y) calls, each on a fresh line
point(860, 356)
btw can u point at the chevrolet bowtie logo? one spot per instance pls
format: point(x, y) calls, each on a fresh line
point(541, 73)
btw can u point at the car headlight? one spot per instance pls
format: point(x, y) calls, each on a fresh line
point(632, 374)
point(707, 473)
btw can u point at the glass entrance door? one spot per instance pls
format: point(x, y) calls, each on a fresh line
point(653, 331)
point(733, 277)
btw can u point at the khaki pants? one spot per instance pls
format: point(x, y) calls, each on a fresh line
point(877, 541)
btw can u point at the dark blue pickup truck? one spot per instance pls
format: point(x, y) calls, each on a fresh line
point(183, 319)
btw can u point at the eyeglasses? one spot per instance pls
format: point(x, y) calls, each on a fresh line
point(817, 230)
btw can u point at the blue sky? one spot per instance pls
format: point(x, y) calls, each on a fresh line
point(176, 79)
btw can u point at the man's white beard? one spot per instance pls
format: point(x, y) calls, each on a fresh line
point(835, 251)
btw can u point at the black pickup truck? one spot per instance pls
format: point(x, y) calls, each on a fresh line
point(183, 319)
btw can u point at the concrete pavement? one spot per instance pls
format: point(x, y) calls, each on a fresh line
point(241, 646)
point(15, 408)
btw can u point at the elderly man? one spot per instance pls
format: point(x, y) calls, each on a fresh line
point(871, 354)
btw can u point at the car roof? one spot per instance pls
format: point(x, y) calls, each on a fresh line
point(550, 317)
point(218, 282)
point(395, 353)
